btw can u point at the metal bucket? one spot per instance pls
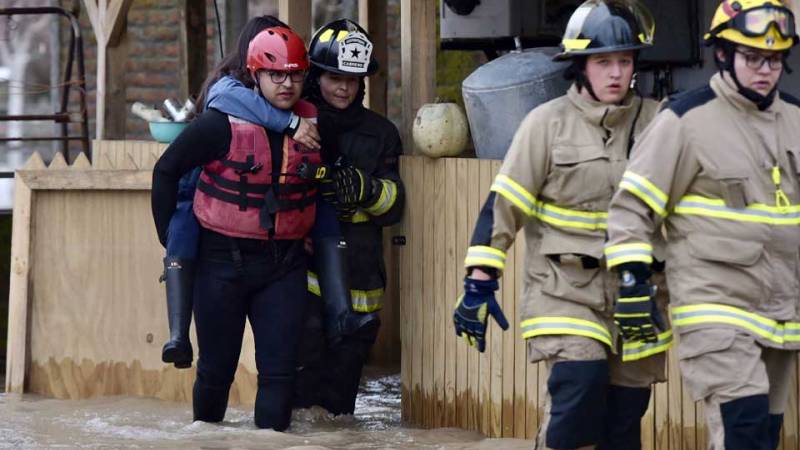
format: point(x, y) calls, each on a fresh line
point(500, 93)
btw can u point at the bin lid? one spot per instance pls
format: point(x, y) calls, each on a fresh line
point(515, 68)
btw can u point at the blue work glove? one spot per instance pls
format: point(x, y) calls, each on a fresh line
point(473, 309)
point(354, 187)
point(636, 313)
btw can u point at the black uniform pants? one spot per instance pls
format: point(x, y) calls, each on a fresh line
point(329, 376)
point(266, 284)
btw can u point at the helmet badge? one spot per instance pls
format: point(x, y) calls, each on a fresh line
point(355, 51)
point(770, 41)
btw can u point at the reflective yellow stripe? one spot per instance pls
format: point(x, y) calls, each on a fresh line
point(514, 192)
point(710, 313)
point(481, 255)
point(575, 44)
point(570, 218)
point(546, 212)
point(634, 351)
point(646, 191)
point(386, 200)
point(634, 299)
point(622, 253)
point(757, 213)
point(358, 217)
point(362, 301)
point(542, 326)
point(367, 301)
point(313, 284)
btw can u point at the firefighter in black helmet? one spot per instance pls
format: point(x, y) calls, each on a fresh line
point(368, 194)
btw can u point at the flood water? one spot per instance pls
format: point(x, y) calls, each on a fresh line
point(34, 422)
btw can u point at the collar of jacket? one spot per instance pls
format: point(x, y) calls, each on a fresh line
point(601, 114)
point(727, 91)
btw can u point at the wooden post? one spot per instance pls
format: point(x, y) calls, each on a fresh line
point(419, 38)
point(116, 107)
point(372, 16)
point(107, 18)
point(193, 64)
point(297, 14)
point(235, 18)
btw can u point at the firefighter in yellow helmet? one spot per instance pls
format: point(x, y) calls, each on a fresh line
point(720, 170)
point(556, 182)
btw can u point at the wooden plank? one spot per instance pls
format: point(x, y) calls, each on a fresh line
point(790, 417)
point(475, 376)
point(404, 292)
point(689, 425)
point(508, 360)
point(648, 424)
point(661, 415)
point(372, 16)
point(450, 290)
point(418, 37)
point(429, 378)
point(297, 14)
point(700, 420)
point(416, 254)
point(18, 321)
point(675, 390)
point(440, 314)
point(235, 19)
point(521, 366)
point(193, 59)
point(116, 106)
point(136, 180)
point(115, 20)
point(491, 389)
point(464, 397)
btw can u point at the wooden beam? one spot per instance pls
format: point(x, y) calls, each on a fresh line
point(193, 63)
point(419, 37)
point(372, 16)
point(235, 18)
point(116, 107)
point(296, 14)
point(108, 22)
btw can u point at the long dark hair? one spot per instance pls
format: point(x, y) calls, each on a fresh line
point(235, 64)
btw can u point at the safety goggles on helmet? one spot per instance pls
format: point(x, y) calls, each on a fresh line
point(757, 21)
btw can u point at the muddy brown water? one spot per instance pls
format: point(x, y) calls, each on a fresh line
point(34, 422)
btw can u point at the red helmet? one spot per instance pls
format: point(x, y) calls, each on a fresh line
point(276, 48)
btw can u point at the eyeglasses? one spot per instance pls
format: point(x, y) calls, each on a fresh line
point(755, 61)
point(279, 77)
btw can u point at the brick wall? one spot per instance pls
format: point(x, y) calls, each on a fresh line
point(152, 67)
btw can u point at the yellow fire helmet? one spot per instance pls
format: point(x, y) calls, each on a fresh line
point(605, 26)
point(763, 24)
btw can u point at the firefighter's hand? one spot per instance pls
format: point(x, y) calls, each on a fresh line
point(636, 313)
point(306, 133)
point(353, 187)
point(474, 308)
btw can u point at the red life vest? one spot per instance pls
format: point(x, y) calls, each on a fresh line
point(235, 195)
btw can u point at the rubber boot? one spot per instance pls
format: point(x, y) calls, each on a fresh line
point(339, 319)
point(626, 406)
point(179, 276)
point(746, 423)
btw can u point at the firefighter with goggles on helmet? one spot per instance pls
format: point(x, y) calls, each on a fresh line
point(556, 182)
point(718, 170)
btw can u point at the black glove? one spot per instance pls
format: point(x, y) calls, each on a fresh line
point(474, 308)
point(636, 313)
point(354, 187)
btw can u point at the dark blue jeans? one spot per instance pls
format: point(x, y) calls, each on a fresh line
point(267, 286)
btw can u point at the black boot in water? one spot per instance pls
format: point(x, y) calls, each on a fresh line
point(179, 276)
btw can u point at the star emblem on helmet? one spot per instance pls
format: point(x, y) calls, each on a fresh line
point(355, 51)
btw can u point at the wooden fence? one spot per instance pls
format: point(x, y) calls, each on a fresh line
point(447, 384)
point(87, 315)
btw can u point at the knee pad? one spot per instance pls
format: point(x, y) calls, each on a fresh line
point(626, 406)
point(578, 393)
point(775, 425)
point(746, 423)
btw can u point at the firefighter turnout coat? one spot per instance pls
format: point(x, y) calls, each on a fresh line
point(557, 180)
point(722, 176)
